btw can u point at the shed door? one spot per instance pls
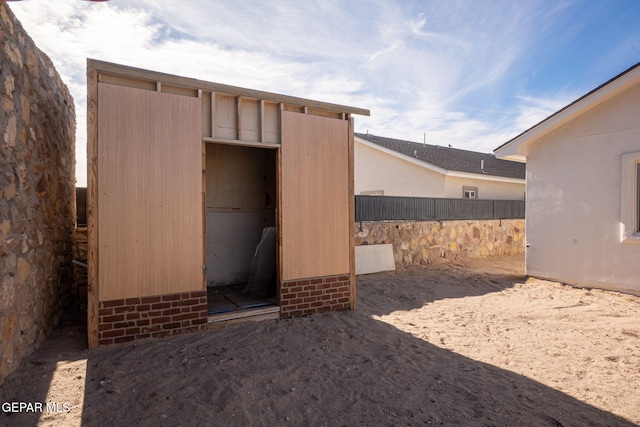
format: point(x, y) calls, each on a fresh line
point(150, 202)
point(315, 221)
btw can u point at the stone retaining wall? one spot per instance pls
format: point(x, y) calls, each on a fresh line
point(37, 196)
point(425, 242)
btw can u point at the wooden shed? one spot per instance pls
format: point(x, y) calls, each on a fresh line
point(208, 203)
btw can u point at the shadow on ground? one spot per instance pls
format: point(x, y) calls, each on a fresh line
point(330, 369)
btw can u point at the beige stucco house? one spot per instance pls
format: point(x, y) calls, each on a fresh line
point(393, 167)
point(583, 184)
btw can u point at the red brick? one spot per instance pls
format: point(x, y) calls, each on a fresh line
point(161, 334)
point(186, 316)
point(199, 307)
point(330, 279)
point(143, 322)
point(303, 294)
point(160, 305)
point(171, 311)
point(112, 303)
point(187, 302)
point(295, 301)
point(302, 282)
point(132, 301)
point(173, 297)
point(150, 300)
point(316, 293)
point(316, 280)
point(174, 325)
point(132, 331)
point(105, 312)
point(105, 326)
point(121, 325)
point(198, 294)
point(113, 333)
point(124, 309)
point(156, 313)
point(317, 304)
point(114, 318)
point(123, 339)
point(294, 289)
point(288, 296)
point(163, 319)
point(144, 307)
point(150, 328)
point(133, 316)
point(105, 341)
point(343, 278)
point(200, 321)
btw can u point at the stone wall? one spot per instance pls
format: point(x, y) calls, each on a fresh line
point(425, 242)
point(37, 196)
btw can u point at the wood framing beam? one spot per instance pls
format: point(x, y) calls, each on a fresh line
point(213, 114)
point(239, 117)
point(352, 216)
point(241, 143)
point(92, 208)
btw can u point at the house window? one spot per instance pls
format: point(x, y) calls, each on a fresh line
point(630, 198)
point(469, 192)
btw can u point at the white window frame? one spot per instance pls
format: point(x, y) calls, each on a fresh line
point(469, 190)
point(630, 198)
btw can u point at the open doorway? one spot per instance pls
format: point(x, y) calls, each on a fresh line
point(241, 230)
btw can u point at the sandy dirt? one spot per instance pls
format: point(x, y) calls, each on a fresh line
point(470, 343)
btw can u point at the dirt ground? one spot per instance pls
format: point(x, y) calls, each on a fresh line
point(470, 343)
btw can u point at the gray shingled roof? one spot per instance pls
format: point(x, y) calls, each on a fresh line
point(452, 159)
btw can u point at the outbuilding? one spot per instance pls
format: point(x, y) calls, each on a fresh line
point(583, 188)
point(210, 203)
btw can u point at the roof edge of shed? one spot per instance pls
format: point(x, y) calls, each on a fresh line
point(192, 83)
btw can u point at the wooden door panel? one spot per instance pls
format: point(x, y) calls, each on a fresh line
point(315, 223)
point(150, 193)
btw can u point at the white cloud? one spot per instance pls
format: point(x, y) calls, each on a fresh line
point(420, 69)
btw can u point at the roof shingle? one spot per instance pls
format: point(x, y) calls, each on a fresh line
point(452, 159)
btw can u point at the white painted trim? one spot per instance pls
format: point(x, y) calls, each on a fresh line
point(437, 169)
point(629, 210)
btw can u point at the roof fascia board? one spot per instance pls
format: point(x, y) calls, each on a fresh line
point(127, 71)
point(445, 172)
point(516, 148)
point(483, 177)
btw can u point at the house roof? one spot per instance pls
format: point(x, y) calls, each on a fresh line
point(450, 159)
point(516, 148)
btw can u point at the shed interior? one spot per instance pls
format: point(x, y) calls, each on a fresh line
point(241, 228)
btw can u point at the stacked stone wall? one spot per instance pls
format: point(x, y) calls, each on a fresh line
point(37, 165)
point(425, 242)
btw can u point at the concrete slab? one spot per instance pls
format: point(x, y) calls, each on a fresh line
point(374, 258)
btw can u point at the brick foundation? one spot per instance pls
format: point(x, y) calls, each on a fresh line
point(154, 316)
point(309, 296)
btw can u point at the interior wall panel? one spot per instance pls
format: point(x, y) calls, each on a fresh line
point(150, 193)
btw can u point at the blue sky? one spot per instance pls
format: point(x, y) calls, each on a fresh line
point(470, 73)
